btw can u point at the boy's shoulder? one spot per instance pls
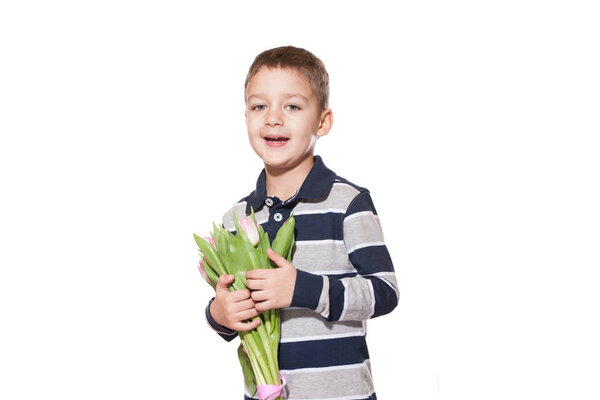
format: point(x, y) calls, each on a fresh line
point(345, 197)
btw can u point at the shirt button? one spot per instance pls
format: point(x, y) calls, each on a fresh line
point(269, 201)
point(278, 217)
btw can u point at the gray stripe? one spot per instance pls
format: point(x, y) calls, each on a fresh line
point(338, 200)
point(302, 322)
point(349, 381)
point(359, 300)
point(321, 256)
point(363, 228)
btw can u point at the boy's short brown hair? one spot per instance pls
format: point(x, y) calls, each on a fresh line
point(301, 60)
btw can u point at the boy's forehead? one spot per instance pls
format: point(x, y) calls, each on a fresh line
point(284, 95)
point(285, 82)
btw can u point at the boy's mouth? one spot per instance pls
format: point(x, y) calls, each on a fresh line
point(276, 140)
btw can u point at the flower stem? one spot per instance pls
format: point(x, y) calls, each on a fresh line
point(260, 379)
point(264, 337)
point(254, 347)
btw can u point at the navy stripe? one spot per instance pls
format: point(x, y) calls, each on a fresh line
point(307, 290)
point(372, 259)
point(319, 226)
point(323, 353)
point(340, 276)
point(385, 297)
point(336, 299)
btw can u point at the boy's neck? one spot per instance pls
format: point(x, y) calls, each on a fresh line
point(284, 183)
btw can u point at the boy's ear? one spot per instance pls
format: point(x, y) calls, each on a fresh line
point(325, 122)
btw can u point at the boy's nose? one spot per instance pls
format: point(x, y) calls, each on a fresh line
point(274, 118)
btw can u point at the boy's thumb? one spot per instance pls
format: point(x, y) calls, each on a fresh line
point(223, 282)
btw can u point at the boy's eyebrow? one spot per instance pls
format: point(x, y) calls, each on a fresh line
point(286, 95)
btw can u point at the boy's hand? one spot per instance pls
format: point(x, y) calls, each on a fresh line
point(231, 308)
point(272, 288)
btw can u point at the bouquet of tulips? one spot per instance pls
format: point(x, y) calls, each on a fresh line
point(234, 254)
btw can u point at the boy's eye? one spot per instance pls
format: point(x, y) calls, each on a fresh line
point(258, 107)
point(293, 107)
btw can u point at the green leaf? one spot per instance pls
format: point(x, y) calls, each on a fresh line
point(284, 240)
point(222, 247)
point(211, 254)
point(247, 370)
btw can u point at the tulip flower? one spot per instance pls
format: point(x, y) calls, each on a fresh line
point(227, 253)
point(207, 273)
point(211, 240)
point(249, 228)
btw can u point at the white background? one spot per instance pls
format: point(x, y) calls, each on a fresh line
point(474, 124)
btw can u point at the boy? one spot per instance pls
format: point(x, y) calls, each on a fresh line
point(341, 273)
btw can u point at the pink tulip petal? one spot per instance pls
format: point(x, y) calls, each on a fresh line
point(211, 240)
point(271, 392)
point(202, 271)
point(249, 227)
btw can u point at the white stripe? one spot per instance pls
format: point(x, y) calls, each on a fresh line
point(334, 272)
point(363, 396)
point(363, 245)
point(372, 298)
point(321, 369)
point(316, 242)
point(340, 183)
point(343, 314)
point(380, 275)
point(322, 337)
point(360, 214)
point(325, 211)
point(324, 306)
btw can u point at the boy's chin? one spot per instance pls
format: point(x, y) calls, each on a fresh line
point(286, 164)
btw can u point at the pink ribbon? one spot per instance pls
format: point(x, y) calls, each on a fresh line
point(271, 392)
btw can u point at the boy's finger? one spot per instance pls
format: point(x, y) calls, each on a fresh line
point(264, 306)
point(277, 259)
point(247, 314)
point(257, 273)
point(259, 295)
point(223, 282)
point(239, 295)
point(245, 305)
point(256, 284)
point(246, 326)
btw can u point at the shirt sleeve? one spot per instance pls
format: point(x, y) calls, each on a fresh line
point(373, 291)
point(223, 331)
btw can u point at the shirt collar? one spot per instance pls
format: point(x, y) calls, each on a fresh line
point(316, 185)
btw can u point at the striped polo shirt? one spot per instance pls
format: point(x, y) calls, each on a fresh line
point(344, 277)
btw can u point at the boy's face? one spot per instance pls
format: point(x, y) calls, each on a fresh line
point(283, 117)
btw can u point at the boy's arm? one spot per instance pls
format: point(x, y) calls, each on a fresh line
point(223, 331)
point(371, 293)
